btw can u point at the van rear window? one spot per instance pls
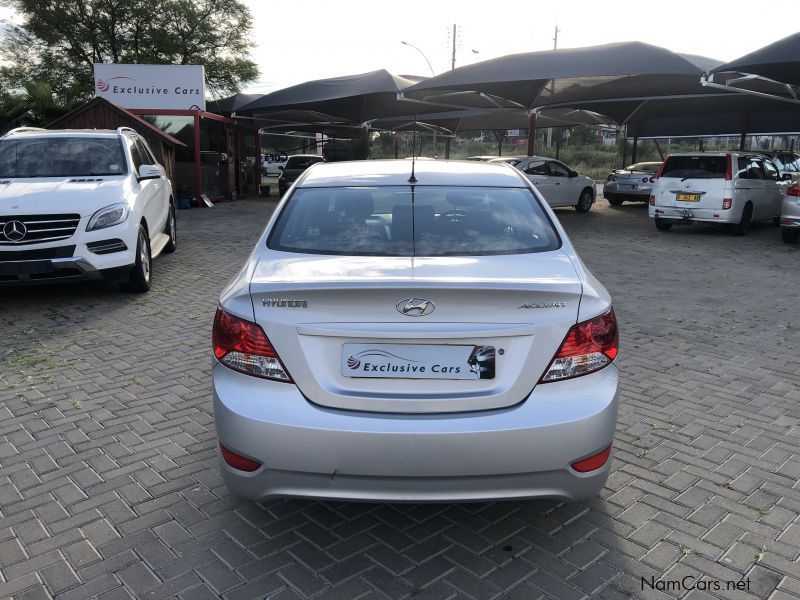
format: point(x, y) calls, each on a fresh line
point(695, 167)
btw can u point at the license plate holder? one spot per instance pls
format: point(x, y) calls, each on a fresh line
point(687, 197)
point(418, 361)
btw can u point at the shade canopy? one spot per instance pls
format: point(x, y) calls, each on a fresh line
point(351, 98)
point(779, 61)
point(535, 79)
point(474, 119)
point(226, 106)
point(733, 114)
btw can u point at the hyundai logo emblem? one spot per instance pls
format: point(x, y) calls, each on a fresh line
point(14, 231)
point(416, 307)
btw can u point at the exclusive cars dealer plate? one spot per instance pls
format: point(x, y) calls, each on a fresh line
point(407, 361)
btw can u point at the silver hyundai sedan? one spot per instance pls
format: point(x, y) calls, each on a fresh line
point(414, 331)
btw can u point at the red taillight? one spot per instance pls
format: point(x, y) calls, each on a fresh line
point(588, 347)
point(237, 461)
point(645, 179)
point(661, 170)
point(728, 168)
point(243, 346)
point(652, 180)
point(727, 203)
point(592, 463)
point(652, 200)
point(793, 190)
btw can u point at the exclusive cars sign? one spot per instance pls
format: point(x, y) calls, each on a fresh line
point(167, 87)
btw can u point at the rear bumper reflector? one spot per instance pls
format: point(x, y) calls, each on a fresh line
point(592, 463)
point(237, 461)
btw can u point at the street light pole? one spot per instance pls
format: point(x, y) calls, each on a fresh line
point(423, 56)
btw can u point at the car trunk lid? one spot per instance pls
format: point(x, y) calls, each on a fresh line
point(324, 314)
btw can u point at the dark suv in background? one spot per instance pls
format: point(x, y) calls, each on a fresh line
point(294, 168)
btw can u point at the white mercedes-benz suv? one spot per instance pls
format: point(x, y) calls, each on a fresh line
point(82, 204)
point(425, 336)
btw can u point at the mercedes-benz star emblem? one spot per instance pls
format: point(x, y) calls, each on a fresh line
point(416, 307)
point(14, 231)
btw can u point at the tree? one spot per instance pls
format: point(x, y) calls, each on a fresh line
point(60, 40)
point(37, 105)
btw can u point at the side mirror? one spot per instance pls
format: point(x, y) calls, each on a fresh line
point(786, 176)
point(149, 172)
point(573, 173)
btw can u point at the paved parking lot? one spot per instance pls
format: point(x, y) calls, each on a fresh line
point(109, 486)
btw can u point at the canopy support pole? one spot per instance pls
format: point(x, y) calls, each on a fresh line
point(447, 148)
point(635, 144)
point(745, 127)
point(559, 132)
point(532, 134)
point(658, 147)
point(624, 146)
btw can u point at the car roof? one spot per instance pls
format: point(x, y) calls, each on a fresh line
point(522, 157)
point(398, 172)
point(720, 153)
point(306, 156)
point(36, 132)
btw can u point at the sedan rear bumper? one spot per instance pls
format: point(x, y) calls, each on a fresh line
point(524, 451)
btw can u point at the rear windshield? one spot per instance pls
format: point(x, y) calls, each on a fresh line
point(695, 167)
point(57, 156)
point(413, 221)
point(648, 167)
point(301, 162)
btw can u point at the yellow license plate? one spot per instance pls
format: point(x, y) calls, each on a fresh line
point(688, 197)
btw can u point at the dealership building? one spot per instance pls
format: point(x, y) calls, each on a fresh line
point(205, 153)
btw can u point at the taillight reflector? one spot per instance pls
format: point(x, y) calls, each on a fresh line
point(588, 347)
point(728, 168)
point(593, 462)
point(793, 190)
point(243, 346)
point(237, 461)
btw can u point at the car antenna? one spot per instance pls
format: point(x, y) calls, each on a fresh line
point(413, 178)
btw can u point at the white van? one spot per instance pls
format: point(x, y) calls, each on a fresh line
point(717, 187)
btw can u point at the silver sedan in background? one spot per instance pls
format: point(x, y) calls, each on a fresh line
point(414, 331)
point(560, 185)
point(790, 214)
point(633, 183)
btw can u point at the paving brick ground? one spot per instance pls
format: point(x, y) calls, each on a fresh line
point(109, 486)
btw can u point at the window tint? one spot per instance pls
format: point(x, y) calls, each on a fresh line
point(751, 168)
point(695, 167)
point(145, 151)
point(558, 170)
point(538, 167)
point(769, 170)
point(58, 156)
point(645, 167)
point(136, 155)
point(741, 167)
point(413, 221)
point(301, 162)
